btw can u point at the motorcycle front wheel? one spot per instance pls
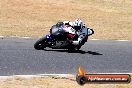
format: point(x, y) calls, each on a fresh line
point(40, 44)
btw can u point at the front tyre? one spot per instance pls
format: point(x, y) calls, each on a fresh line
point(40, 44)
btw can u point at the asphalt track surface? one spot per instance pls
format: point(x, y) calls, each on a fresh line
point(18, 57)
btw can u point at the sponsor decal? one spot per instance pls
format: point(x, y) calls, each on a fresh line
point(83, 78)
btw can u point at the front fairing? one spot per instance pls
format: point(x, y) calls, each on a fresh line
point(54, 44)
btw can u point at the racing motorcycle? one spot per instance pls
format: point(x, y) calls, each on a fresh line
point(60, 39)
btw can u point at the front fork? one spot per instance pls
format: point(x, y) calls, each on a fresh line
point(50, 40)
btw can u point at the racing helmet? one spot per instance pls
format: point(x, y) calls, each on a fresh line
point(78, 24)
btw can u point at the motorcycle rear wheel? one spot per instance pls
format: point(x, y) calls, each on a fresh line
point(73, 48)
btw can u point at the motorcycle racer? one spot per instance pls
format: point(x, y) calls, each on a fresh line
point(82, 31)
point(65, 35)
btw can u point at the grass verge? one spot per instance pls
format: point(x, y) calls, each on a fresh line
point(52, 82)
point(110, 19)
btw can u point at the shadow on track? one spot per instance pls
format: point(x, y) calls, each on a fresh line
point(79, 51)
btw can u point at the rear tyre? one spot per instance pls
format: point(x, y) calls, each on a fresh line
point(40, 44)
point(78, 47)
point(71, 50)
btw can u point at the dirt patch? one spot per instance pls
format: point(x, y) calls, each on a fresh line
point(110, 19)
point(52, 82)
